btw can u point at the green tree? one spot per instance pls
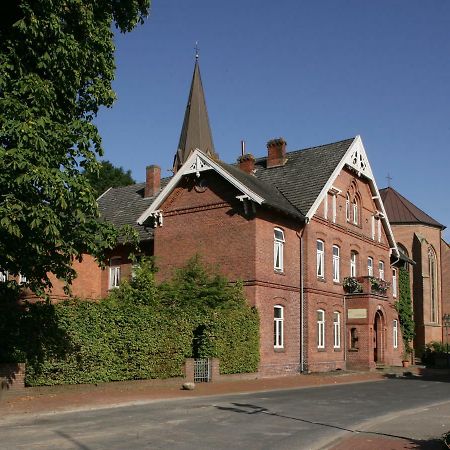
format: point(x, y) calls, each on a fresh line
point(109, 176)
point(56, 69)
point(405, 310)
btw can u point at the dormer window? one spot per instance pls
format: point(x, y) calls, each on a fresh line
point(278, 249)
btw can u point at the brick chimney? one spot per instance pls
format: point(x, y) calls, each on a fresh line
point(152, 180)
point(276, 152)
point(247, 163)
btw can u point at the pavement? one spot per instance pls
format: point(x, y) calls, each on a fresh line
point(394, 432)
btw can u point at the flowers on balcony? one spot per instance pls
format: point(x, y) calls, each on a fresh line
point(378, 286)
point(352, 285)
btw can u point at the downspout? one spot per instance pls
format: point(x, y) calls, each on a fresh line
point(302, 301)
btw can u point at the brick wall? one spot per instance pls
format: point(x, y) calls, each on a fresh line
point(12, 376)
point(445, 265)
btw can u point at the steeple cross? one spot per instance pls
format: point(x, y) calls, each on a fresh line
point(196, 49)
point(389, 179)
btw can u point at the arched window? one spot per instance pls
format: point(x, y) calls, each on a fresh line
point(337, 329)
point(381, 270)
point(320, 328)
point(347, 207)
point(320, 259)
point(278, 249)
point(370, 266)
point(336, 263)
point(433, 285)
point(353, 263)
point(355, 212)
point(114, 272)
point(404, 252)
point(278, 326)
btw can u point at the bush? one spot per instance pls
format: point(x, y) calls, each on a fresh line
point(434, 350)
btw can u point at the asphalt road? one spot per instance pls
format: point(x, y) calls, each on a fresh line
point(308, 418)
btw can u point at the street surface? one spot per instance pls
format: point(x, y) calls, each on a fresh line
point(310, 418)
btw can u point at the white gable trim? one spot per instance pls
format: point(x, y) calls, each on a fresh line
point(356, 158)
point(196, 163)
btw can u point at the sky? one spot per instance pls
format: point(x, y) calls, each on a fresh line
point(311, 71)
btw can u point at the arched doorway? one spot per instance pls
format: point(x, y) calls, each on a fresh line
point(378, 337)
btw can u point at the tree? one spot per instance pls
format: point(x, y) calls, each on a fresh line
point(56, 66)
point(109, 176)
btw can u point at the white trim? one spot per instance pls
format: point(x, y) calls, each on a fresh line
point(107, 190)
point(196, 163)
point(356, 149)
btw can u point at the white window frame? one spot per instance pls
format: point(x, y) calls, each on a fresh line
point(373, 227)
point(353, 263)
point(325, 207)
point(320, 259)
point(395, 333)
point(355, 211)
point(394, 282)
point(336, 263)
point(333, 205)
point(370, 266)
point(4, 275)
point(381, 270)
point(278, 249)
point(22, 279)
point(379, 229)
point(114, 272)
point(336, 329)
point(278, 327)
point(347, 207)
point(320, 328)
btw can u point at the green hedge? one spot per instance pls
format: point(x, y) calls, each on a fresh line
point(141, 331)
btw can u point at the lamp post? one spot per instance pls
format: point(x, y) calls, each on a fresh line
point(446, 323)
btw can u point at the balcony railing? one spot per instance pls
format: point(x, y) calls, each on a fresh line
point(365, 285)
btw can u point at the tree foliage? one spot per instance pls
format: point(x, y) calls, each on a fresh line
point(108, 176)
point(405, 310)
point(56, 66)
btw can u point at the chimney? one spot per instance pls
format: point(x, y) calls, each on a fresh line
point(247, 163)
point(152, 181)
point(276, 152)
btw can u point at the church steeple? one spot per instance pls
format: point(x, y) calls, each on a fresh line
point(196, 132)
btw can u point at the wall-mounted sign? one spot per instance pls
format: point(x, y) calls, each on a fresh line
point(357, 313)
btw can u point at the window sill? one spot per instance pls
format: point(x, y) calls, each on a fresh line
point(278, 272)
point(321, 350)
point(279, 349)
point(337, 349)
point(337, 283)
point(321, 279)
point(353, 349)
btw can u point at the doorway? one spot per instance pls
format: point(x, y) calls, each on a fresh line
point(378, 338)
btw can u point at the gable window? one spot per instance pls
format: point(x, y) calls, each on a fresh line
point(381, 270)
point(325, 207)
point(370, 266)
point(336, 263)
point(355, 211)
point(333, 203)
point(395, 333)
point(433, 285)
point(394, 282)
point(353, 260)
point(379, 230)
point(347, 208)
point(320, 259)
point(278, 249)
point(278, 322)
point(320, 328)
point(114, 272)
point(373, 227)
point(337, 329)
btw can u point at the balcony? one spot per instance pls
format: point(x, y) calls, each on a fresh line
point(365, 285)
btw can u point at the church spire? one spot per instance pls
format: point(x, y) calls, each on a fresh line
point(196, 132)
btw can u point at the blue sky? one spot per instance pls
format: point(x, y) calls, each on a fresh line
point(313, 72)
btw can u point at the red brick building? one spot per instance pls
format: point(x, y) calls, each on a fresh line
point(305, 230)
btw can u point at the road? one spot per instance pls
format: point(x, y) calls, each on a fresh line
point(307, 418)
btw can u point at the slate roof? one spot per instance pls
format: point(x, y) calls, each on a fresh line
point(291, 189)
point(305, 173)
point(401, 211)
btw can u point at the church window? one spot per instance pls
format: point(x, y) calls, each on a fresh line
point(278, 325)
point(320, 259)
point(336, 263)
point(278, 249)
point(114, 272)
point(320, 328)
point(433, 285)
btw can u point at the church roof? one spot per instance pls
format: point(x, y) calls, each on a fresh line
point(401, 211)
point(195, 132)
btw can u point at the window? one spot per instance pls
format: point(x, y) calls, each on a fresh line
point(278, 319)
point(370, 266)
point(320, 259)
point(278, 244)
point(333, 198)
point(336, 263)
point(353, 258)
point(379, 230)
point(355, 211)
point(395, 333)
point(325, 207)
point(114, 272)
point(22, 279)
point(433, 285)
point(3, 276)
point(337, 329)
point(394, 282)
point(381, 270)
point(320, 328)
point(373, 227)
point(347, 208)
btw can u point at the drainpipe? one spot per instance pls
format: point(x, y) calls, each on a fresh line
point(302, 301)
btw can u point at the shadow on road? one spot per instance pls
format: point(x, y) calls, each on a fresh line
point(432, 444)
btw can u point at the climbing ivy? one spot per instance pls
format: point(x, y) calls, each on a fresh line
point(405, 310)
